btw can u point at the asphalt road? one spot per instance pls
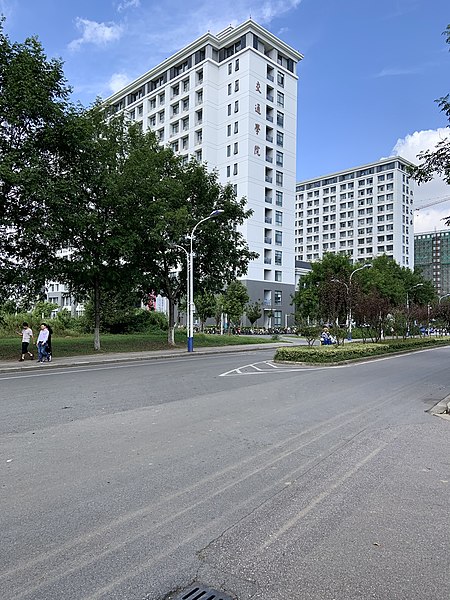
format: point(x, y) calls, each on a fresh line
point(127, 482)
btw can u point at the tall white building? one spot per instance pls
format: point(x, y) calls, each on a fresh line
point(362, 212)
point(230, 100)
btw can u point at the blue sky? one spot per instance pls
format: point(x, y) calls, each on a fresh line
point(367, 84)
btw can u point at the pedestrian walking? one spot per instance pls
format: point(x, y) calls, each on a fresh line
point(41, 343)
point(49, 343)
point(27, 335)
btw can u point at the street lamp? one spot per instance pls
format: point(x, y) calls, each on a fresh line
point(442, 297)
point(407, 305)
point(190, 341)
point(187, 281)
point(365, 266)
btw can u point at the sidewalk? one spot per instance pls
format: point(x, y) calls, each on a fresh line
point(120, 357)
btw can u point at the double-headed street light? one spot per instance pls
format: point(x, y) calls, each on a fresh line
point(190, 341)
point(365, 266)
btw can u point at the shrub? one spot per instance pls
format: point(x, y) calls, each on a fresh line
point(333, 354)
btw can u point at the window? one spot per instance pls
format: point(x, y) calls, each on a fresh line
point(278, 238)
point(198, 155)
point(236, 65)
point(279, 198)
point(236, 106)
point(175, 109)
point(277, 297)
point(279, 159)
point(175, 128)
point(152, 104)
point(175, 90)
point(199, 96)
point(278, 276)
point(230, 68)
point(229, 109)
point(278, 257)
point(279, 178)
point(280, 138)
point(199, 136)
point(162, 98)
point(229, 89)
point(228, 150)
point(161, 116)
point(185, 123)
point(235, 169)
point(185, 104)
point(228, 171)
point(236, 85)
point(235, 148)
point(280, 99)
point(228, 130)
point(280, 79)
point(280, 119)
point(185, 85)
point(152, 121)
point(236, 127)
point(278, 217)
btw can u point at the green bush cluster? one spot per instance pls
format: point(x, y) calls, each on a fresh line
point(333, 354)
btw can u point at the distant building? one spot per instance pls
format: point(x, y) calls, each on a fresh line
point(230, 100)
point(361, 212)
point(432, 257)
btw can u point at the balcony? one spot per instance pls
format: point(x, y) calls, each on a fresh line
point(269, 179)
point(267, 240)
point(268, 220)
point(268, 199)
point(269, 159)
point(270, 77)
point(269, 97)
point(267, 302)
point(269, 138)
point(267, 261)
point(269, 118)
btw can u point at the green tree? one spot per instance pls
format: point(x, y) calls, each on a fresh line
point(187, 194)
point(205, 307)
point(96, 214)
point(34, 100)
point(437, 161)
point(235, 299)
point(253, 312)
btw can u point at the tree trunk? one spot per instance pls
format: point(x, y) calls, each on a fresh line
point(171, 332)
point(96, 315)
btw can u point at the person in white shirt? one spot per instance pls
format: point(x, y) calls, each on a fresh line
point(41, 343)
point(27, 334)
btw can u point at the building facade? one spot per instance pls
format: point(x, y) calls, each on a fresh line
point(230, 100)
point(432, 257)
point(362, 212)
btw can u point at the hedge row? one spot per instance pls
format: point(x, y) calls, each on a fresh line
point(353, 351)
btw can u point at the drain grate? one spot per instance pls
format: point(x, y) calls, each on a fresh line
point(200, 592)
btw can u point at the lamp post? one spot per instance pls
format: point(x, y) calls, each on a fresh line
point(365, 266)
point(407, 305)
point(187, 282)
point(190, 341)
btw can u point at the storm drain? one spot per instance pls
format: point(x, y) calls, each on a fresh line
point(199, 592)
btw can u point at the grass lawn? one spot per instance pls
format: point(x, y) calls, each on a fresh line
point(84, 344)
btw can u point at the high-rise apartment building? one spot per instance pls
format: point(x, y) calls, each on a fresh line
point(362, 212)
point(230, 100)
point(432, 257)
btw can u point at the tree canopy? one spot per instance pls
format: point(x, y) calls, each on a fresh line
point(437, 161)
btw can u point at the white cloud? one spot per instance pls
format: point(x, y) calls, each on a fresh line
point(98, 34)
point(409, 147)
point(394, 72)
point(118, 81)
point(128, 4)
